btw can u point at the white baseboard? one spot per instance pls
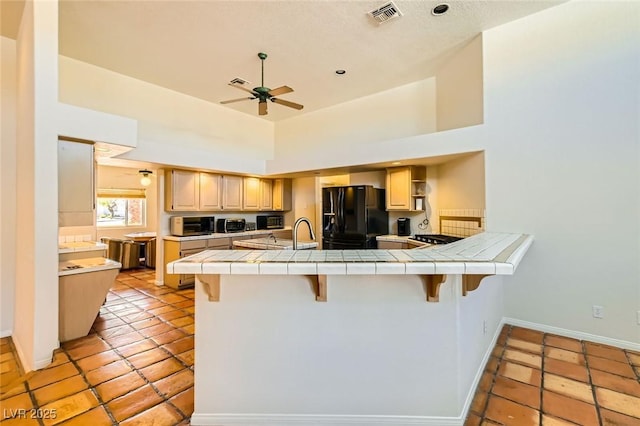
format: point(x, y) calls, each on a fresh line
point(573, 334)
point(5, 333)
point(474, 385)
point(319, 420)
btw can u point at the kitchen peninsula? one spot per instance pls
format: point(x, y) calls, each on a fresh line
point(337, 337)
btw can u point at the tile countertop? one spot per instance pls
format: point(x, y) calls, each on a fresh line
point(225, 234)
point(401, 239)
point(485, 253)
point(90, 264)
point(76, 246)
point(277, 244)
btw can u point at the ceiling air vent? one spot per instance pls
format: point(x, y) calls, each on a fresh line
point(239, 81)
point(385, 12)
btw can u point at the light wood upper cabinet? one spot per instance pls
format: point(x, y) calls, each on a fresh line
point(281, 194)
point(200, 191)
point(76, 184)
point(232, 192)
point(406, 188)
point(258, 194)
point(182, 191)
point(266, 195)
point(251, 198)
point(210, 192)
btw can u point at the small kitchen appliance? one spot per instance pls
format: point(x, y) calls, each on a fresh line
point(270, 221)
point(230, 225)
point(404, 226)
point(183, 226)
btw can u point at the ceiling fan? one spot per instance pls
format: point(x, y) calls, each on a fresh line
point(264, 93)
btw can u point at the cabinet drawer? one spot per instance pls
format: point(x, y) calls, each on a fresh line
point(218, 243)
point(195, 244)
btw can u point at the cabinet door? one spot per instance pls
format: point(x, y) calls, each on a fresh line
point(251, 199)
point(185, 191)
point(266, 194)
point(76, 185)
point(281, 194)
point(232, 192)
point(210, 192)
point(399, 188)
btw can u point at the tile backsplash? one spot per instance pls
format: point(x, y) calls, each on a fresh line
point(461, 222)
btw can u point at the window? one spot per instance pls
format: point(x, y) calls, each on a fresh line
point(121, 208)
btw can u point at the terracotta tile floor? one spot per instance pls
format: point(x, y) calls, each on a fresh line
point(534, 378)
point(134, 368)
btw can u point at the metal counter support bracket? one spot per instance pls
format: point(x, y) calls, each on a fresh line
point(211, 285)
point(432, 286)
point(319, 285)
point(472, 282)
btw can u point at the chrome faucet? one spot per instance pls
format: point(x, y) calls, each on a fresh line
point(295, 231)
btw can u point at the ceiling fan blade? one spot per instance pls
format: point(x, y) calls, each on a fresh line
point(243, 88)
point(237, 100)
point(280, 90)
point(262, 108)
point(287, 103)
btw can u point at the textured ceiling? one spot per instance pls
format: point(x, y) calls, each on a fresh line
point(197, 47)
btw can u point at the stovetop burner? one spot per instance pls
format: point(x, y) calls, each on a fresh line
point(435, 238)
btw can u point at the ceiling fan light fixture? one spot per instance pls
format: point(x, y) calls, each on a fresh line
point(440, 9)
point(145, 180)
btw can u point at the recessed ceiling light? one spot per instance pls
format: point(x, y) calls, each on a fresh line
point(340, 72)
point(440, 9)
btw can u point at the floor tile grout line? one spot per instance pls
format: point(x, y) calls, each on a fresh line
point(164, 397)
point(593, 386)
point(636, 371)
point(495, 373)
point(91, 387)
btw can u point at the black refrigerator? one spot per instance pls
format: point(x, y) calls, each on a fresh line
point(352, 217)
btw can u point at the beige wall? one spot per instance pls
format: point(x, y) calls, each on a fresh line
point(459, 85)
point(461, 183)
point(8, 88)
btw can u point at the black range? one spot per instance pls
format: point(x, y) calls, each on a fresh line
point(435, 238)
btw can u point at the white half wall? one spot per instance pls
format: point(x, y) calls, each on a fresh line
point(562, 108)
point(344, 134)
point(35, 332)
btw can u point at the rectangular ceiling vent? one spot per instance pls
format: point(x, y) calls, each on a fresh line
point(385, 13)
point(239, 81)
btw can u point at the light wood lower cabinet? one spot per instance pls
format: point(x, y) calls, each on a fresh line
point(174, 250)
point(392, 245)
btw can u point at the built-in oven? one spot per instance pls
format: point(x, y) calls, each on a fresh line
point(270, 221)
point(184, 226)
